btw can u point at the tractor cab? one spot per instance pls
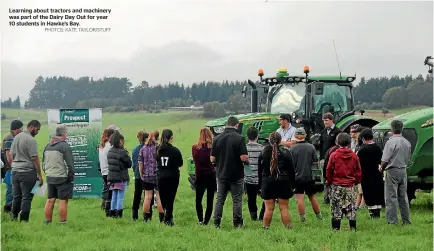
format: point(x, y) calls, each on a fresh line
point(306, 98)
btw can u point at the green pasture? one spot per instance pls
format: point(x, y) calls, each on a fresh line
point(89, 229)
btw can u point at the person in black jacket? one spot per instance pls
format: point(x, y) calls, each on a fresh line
point(327, 141)
point(276, 176)
point(119, 161)
point(169, 160)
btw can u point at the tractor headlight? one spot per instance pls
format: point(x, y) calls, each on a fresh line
point(218, 129)
point(376, 134)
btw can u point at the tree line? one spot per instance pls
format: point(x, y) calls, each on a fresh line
point(115, 94)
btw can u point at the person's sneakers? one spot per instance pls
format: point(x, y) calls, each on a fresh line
point(319, 216)
point(47, 222)
point(120, 213)
point(146, 217)
point(336, 225)
point(289, 227)
point(302, 218)
point(63, 222)
point(266, 228)
point(201, 223)
point(112, 213)
point(24, 216)
point(217, 223)
point(169, 223)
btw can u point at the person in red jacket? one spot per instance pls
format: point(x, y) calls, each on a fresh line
point(343, 174)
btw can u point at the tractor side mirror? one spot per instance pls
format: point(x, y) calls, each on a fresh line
point(362, 112)
point(244, 91)
point(319, 88)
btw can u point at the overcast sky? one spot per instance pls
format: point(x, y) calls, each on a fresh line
point(161, 41)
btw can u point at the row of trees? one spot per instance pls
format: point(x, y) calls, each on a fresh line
point(118, 94)
point(16, 103)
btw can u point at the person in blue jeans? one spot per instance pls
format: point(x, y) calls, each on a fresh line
point(16, 127)
point(119, 161)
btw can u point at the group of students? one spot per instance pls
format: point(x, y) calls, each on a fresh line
point(156, 168)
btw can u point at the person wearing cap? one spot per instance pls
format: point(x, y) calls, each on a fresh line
point(286, 130)
point(304, 156)
point(16, 127)
point(26, 170)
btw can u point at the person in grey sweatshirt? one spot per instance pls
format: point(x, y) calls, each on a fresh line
point(58, 165)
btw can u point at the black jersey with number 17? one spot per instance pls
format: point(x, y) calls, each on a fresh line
point(169, 160)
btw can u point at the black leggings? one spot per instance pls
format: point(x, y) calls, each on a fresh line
point(106, 192)
point(252, 194)
point(167, 188)
point(208, 183)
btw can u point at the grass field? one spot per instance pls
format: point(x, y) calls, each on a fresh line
point(89, 229)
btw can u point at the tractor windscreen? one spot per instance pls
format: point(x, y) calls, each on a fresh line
point(338, 96)
point(288, 99)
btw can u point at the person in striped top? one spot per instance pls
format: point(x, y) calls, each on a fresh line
point(251, 171)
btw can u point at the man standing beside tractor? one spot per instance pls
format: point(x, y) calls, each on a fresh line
point(286, 130)
point(327, 141)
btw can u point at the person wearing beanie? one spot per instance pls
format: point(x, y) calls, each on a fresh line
point(16, 127)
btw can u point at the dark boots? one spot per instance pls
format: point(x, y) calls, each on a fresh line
point(120, 213)
point(161, 216)
point(217, 223)
point(7, 208)
point(254, 216)
point(112, 213)
point(147, 217)
point(375, 213)
point(107, 206)
point(336, 224)
point(24, 216)
point(238, 222)
point(353, 225)
point(135, 214)
point(15, 213)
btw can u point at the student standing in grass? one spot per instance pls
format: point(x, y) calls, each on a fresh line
point(205, 175)
point(148, 174)
point(169, 160)
point(304, 156)
point(251, 171)
point(119, 161)
point(104, 148)
point(16, 127)
point(372, 181)
point(138, 184)
point(343, 174)
point(58, 165)
point(276, 174)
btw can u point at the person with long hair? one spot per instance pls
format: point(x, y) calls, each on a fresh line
point(119, 161)
point(148, 173)
point(276, 176)
point(205, 175)
point(104, 147)
point(138, 186)
point(169, 160)
point(372, 180)
point(343, 174)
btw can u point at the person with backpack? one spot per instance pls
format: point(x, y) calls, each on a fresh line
point(304, 156)
point(138, 183)
point(118, 161)
point(276, 176)
point(16, 127)
point(169, 160)
point(343, 175)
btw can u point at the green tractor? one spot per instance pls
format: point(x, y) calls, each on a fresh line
point(306, 98)
point(418, 129)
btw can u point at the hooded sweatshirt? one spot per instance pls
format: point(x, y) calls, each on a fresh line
point(57, 161)
point(343, 168)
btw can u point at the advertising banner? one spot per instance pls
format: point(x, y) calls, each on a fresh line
point(84, 131)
